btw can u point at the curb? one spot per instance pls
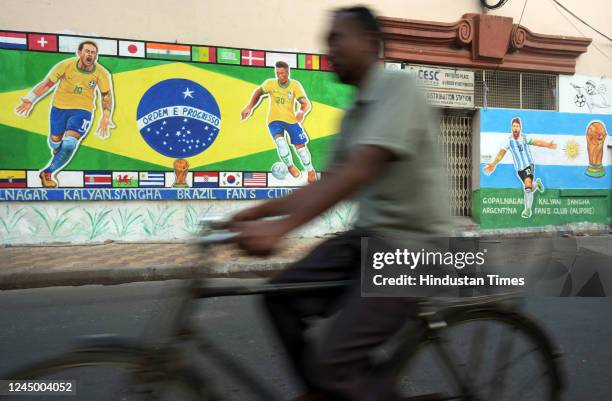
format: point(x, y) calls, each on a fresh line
point(118, 275)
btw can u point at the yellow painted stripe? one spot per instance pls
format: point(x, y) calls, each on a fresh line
point(315, 62)
point(204, 53)
point(4, 174)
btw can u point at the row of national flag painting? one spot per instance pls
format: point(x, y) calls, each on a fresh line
point(144, 179)
point(48, 42)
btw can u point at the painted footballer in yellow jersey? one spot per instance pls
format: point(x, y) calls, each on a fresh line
point(75, 81)
point(283, 94)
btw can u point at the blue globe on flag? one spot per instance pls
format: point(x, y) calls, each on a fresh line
point(178, 118)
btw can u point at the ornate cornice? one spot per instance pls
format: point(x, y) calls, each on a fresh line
point(480, 41)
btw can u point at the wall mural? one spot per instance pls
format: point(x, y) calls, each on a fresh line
point(541, 168)
point(134, 221)
point(585, 94)
point(113, 119)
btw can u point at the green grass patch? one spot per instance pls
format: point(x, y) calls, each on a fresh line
point(262, 161)
point(25, 150)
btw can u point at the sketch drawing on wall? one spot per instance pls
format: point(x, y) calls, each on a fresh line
point(591, 95)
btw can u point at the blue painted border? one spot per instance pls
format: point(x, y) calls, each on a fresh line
point(122, 194)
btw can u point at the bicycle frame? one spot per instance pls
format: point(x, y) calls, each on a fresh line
point(435, 315)
point(185, 330)
point(214, 233)
point(433, 323)
point(166, 359)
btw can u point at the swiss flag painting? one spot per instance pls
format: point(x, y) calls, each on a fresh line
point(42, 42)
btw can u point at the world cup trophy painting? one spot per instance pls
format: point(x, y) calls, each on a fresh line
point(181, 167)
point(596, 137)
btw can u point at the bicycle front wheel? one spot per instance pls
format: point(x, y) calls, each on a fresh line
point(107, 375)
point(486, 355)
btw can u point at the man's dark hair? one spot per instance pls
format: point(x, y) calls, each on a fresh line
point(516, 120)
point(281, 64)
point(88, 42)
point(364, 17)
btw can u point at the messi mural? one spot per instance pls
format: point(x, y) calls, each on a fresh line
point(543, 168)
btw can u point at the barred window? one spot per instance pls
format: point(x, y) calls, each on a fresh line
point(515, 90)
point(508, 89)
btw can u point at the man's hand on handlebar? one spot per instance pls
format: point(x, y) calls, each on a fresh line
point(246, 215)
point(258, 237)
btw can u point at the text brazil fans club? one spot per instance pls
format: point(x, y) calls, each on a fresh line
point(116, 119)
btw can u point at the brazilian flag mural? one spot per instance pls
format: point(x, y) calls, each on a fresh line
point(111, 119)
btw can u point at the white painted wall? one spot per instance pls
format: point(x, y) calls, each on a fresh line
point(82, 222)
point(287, 24)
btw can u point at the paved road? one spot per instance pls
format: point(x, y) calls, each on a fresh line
point(36, 323)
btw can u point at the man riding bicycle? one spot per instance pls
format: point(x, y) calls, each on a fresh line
point(385, 158)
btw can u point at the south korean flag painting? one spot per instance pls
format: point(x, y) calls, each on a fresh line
point(230, 179)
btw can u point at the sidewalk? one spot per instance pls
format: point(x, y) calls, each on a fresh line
point(117, 262)
point(23, 266)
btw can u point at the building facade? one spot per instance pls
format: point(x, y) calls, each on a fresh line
point(181, 76)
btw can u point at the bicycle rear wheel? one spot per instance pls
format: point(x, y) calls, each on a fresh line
point(483, 354)
point(107, 375)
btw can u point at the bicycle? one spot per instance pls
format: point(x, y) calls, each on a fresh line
point(165, 369)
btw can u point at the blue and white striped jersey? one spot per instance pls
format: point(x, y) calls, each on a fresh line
point(519, 148)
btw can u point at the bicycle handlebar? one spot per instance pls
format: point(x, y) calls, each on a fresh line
point(214, 230)
point(215, 222)
point(216, 237)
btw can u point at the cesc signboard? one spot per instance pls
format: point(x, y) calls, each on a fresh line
point(445, 87)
